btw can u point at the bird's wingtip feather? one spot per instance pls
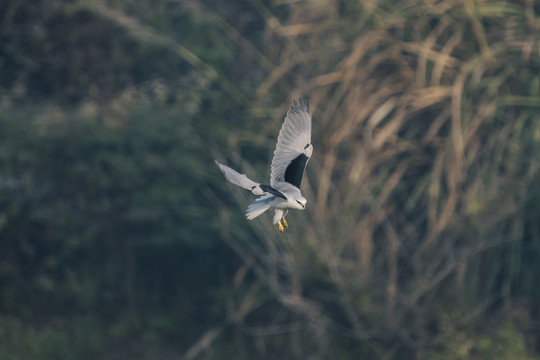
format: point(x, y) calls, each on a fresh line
point(220, 165)
point(300, 104)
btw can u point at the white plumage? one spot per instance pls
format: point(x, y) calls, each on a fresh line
point(292, 153)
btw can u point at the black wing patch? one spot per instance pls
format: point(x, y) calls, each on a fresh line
point(271, 190)
point(295, 170)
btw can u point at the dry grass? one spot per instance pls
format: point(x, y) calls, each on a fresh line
point(426, 138)
point(426, 150)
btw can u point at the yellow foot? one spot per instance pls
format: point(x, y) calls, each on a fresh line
point(284, 223)
point(281, 228)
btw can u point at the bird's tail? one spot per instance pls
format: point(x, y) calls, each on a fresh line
point(259, 206)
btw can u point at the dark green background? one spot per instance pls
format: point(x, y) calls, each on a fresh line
point(120, 239)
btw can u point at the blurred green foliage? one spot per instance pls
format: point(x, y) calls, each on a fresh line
point(107, 219)
point(119, 238)
point(505, 342)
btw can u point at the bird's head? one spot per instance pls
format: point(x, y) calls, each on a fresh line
point(300, 202)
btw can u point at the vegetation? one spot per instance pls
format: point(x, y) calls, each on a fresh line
point(120, 239)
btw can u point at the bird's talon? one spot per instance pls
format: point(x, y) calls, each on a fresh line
point(284, 223)
point(281, 228)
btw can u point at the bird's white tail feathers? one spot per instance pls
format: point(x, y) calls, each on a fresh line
point(259, 206)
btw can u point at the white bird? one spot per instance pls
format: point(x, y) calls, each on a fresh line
point(292, 153)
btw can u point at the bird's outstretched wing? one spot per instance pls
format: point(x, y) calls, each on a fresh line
point(293, 148)
point(244, 182)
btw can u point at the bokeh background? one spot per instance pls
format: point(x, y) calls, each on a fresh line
point(120, 239)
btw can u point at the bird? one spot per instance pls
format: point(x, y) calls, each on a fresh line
point(292, 153)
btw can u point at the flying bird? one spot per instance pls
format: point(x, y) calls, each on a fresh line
point(292, 153)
